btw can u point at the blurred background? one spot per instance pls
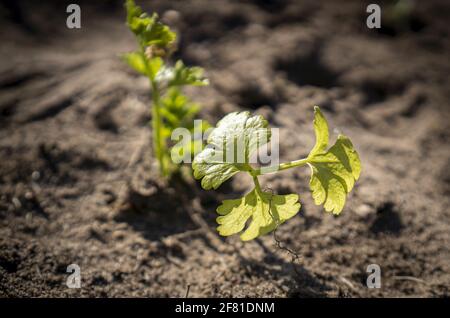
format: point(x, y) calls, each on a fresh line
point(77, 180)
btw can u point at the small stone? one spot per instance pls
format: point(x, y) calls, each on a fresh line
point(171, 17)
point(35, 175)
point(29, 195)
point(16, 202)
point(364, 210)
point(285, 288)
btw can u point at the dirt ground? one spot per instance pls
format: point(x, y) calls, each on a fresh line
point(78, 184)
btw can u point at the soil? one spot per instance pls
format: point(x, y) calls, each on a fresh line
point(78, 183)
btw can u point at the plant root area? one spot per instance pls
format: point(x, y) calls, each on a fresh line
point(78, 184)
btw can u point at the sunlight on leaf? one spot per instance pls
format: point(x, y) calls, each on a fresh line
point(230, 144)
point(265, 209)
point(178, 110)
point(136, 61)
point(148, 29)
point(183, 75)
point(335, 171)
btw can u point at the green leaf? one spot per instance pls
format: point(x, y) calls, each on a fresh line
point(321, 131)
point(188, 149)
point(133, 11)
point(159, 34)
point(334, 172)
point(229, 147)
point(136, 61)
point(155, 65)
point(148, 29)
point(178, 110)
point(183, 75)
point(265, 209)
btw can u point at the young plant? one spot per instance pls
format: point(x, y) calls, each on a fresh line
point(170, 108)
point(334, 171)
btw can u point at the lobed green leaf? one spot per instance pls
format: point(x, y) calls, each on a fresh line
point(265, 209)
point(178, 110)
point(334, 172)
point(183, 75)
point(136, 61)
point(148, 29)
point(142, 65)
point(229, 147)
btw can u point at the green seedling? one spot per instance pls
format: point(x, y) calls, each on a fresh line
point(170, 108)
point(334, 172)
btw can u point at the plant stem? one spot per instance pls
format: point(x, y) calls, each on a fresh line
point(158, 146)
point(157, 141)
point(282, 166)
point(257, 186)
point(292, 164)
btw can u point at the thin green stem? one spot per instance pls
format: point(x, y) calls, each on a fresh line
point(158, 144)
point(257, 185)
point(157, 141)
point(292, 164)
point(282, 166)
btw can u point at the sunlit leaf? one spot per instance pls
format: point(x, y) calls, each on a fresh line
point(265, 209)
point(230, 144)
point(334, 171)
point(148, 29)
point(136, 61)
point(183, 75)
